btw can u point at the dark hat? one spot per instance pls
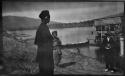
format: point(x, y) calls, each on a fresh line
point(43, 14)
point(108, 34)
point(54, 32)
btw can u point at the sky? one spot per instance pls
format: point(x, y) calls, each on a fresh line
point(65, 12)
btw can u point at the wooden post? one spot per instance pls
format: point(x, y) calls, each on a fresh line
point(121, 46)
point(122, 34)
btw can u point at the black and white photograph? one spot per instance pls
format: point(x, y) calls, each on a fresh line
point(62, 38)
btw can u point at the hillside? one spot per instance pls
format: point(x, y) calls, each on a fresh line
point(25, 23)
point(20, 23)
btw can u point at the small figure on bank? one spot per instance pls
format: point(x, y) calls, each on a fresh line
point(108, 45)
point(44, 41)
point(56, 48)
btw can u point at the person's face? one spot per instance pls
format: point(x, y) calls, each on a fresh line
point(46, 19)
point(54, 34)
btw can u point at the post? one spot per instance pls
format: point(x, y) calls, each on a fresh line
point(122, 34)
point(121, 46)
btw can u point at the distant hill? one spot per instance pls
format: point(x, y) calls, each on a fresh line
point(25, 23)
point(111, 16)
point(20, 23)
point(71, 25)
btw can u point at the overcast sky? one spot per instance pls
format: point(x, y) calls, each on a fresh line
point(63, 11)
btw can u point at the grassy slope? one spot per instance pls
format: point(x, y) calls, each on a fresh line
point(25, 23)
point(19, 56)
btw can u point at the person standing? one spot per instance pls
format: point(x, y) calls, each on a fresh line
point(44, 41)
point(108, 45)
point(56, 48)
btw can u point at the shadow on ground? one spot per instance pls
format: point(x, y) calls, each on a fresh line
point(66, 64)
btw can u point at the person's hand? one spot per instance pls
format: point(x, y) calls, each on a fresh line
point(121, 55)
point(59, 52)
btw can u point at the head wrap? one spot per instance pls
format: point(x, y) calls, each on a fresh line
point(44, 14)
point(54, 32)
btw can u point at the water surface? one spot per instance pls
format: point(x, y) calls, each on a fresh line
point(67, 35)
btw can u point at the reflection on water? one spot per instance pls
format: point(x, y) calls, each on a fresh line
point(67, 35)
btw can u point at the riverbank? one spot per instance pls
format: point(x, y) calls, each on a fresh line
point(19, 59)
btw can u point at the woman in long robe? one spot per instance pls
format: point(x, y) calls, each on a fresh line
point(44, 41)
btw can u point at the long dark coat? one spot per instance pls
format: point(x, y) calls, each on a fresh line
point(44, 41)
point(109, 54)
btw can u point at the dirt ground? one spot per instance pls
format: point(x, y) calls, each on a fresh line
point(84, 60)
point(77, 63)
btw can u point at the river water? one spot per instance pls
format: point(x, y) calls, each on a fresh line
point(67, 35)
